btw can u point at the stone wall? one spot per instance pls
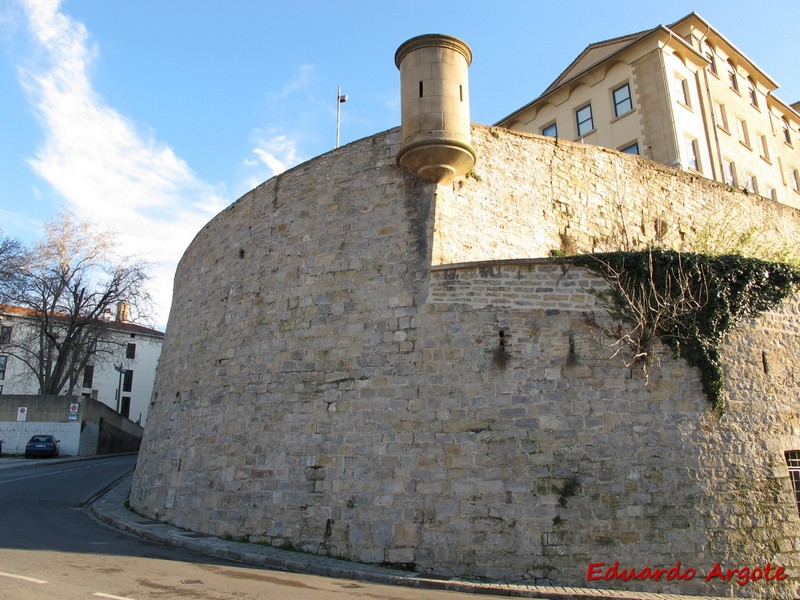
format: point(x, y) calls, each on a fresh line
point(598, 463)
point(531, 195)
point(323, 386)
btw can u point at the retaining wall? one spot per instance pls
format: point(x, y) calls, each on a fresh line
point(330, 383)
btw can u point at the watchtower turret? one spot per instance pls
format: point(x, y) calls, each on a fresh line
point(435, 107)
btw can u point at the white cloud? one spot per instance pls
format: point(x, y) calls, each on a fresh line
point(104, 167)
point(278, 153)
point(300, 82)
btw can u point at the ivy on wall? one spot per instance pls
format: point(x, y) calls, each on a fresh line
point(688, 301)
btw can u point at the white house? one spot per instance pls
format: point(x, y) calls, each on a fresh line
point(121, 378)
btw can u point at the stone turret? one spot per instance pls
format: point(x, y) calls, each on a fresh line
point(435, 107)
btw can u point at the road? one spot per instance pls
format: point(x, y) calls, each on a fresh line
point(50, 547)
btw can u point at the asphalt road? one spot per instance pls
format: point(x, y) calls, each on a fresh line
point(51, 547)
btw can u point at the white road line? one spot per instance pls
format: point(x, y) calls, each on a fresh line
point(29, 477)
point(102, 595)
point(44, 474)
point(31, 579)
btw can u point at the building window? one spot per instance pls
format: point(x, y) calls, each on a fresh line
point(88, 376)
point(750, 184)
point(584, 119)
point(125, 406)
point(130, 351)
point(691, 154)
point(708, 51)
point(732, 77)
point(682, 90)
point(787, 136)
point(631, 148)
point(764, 148)
point(730, 173)
point(793, 463)
point(550, 131)
point(3, 362)
point(796, 180)
point(744, 137)
point(751, 92)
point(722, 116)
point(773, 193)
point(5, 334)
point(622, 100)
point(127, 381)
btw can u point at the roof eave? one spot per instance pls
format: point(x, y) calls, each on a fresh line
point(551, 90)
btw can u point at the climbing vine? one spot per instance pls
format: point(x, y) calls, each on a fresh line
point(688, 301)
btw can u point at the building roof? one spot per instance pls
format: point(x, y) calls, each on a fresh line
point(599, 52)
point(124, 326)
point(593, 55)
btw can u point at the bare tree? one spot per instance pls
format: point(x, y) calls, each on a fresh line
point(69, 287)
point(11, 253)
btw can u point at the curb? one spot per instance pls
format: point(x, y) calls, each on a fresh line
point(15, 462)
point(109, 507)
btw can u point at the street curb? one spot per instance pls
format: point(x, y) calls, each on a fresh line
point(110, 509)
point(18, 461)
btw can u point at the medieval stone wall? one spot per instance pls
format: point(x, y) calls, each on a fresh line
point(530, 196)
point(598, 463)
point(323, 386)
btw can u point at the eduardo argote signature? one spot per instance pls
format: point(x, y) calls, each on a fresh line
point(741, 575)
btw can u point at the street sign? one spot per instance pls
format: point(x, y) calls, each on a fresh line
point(73, 411)
point(22, 413)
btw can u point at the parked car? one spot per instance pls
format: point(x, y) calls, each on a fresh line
point(42, 445)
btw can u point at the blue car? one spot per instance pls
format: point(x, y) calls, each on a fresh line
point(42, 445)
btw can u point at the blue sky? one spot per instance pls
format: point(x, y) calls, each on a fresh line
point(150, 116)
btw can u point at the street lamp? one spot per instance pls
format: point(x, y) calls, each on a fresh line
point(340, 99)
point(120, 370)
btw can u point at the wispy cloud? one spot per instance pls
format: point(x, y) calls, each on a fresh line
point(277, 153)
point(104, 166)
point(274, 148)
point(299, 82)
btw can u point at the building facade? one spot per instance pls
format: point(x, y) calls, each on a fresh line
point(682, 95)
point(121, 376)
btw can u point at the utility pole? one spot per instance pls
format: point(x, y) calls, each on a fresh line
point(340, 99)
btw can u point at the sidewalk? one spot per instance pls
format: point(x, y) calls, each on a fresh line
point(110, 508)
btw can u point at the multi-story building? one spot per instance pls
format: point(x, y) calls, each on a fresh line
point(121, 376)
point(682, 95)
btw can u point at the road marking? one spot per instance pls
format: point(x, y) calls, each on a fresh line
point(31, 579)
point(30, 477)
point(102, 595)
point(60, 472)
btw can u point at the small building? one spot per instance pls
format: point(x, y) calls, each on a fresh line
point(682, 95)
point(120, 377)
